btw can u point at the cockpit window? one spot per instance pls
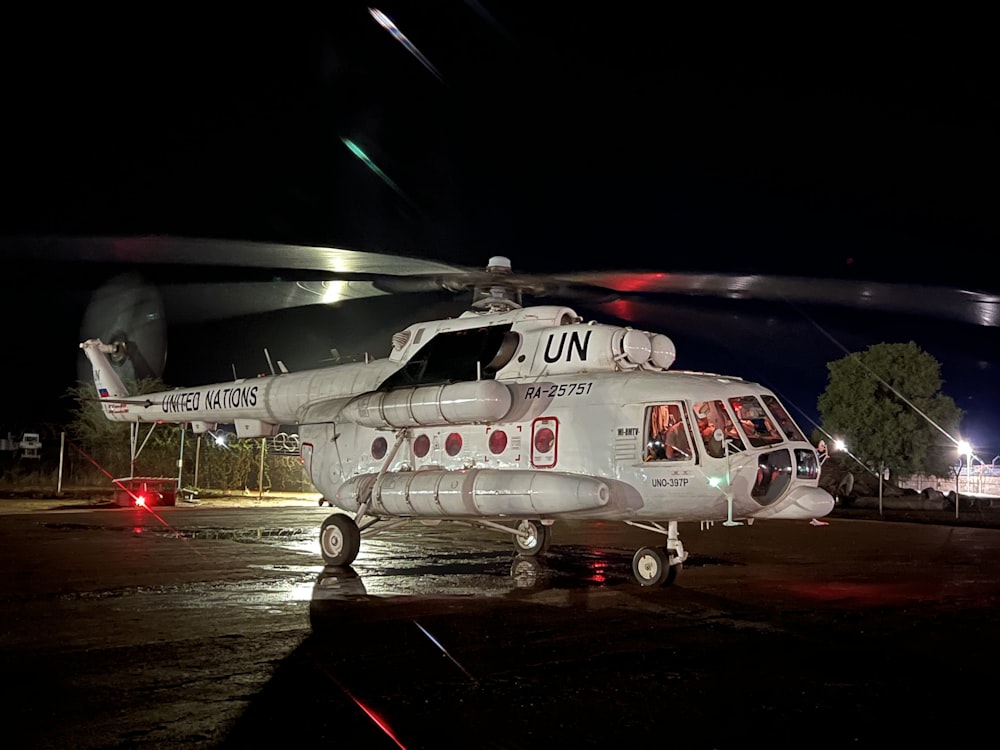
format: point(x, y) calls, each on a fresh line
point(755, 421)
point(712, 416)
point(784, 421)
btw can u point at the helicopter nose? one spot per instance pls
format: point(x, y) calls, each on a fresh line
point(801, 504)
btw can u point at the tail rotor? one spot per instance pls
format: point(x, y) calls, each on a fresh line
point(126, 313)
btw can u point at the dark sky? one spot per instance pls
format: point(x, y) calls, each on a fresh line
point(566, 136)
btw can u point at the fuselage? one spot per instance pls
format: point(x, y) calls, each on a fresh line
point(602, 426)
point(527, 413)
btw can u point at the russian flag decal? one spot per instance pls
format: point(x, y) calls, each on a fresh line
point(102, 392)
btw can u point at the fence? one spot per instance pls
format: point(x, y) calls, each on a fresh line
point(984, 480)
point(269, 465)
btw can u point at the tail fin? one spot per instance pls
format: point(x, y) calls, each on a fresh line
point(109, 385)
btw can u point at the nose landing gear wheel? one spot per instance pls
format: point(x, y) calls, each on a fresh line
point(532, 537)
point(651, 567)
point(339, 539)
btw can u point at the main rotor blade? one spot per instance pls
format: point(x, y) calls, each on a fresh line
point(199, 279)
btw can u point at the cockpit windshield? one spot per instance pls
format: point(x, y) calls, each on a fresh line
point(717, 429)
point(784, 421)
point(755, 421)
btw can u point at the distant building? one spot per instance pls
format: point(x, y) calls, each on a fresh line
point(29, 444)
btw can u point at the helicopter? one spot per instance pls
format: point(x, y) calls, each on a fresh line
point(513, 417)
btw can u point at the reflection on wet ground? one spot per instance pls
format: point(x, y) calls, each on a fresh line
point(481, 573)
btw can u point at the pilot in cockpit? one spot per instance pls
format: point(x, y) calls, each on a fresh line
point(706, 427)
point(754, 422)
point(743, 415)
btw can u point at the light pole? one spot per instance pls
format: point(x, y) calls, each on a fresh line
point(969, 486)
point(964, 449)
point(197, 459)
point(881, 473)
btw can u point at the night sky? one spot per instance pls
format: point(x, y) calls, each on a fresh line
point(567, 136)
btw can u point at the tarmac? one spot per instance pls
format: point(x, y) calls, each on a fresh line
point(984, 513)
point(207, 626)
point(22, 501)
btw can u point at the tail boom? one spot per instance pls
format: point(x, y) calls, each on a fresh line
point(257, 407)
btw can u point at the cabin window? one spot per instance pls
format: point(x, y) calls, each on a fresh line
point(544, 442)
point(421, 446)
point(498, 442)
point(668, 435)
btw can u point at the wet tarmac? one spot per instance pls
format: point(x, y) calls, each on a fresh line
point(216, 626)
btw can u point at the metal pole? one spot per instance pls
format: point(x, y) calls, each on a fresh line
point(197, 458)
point(180, 462)
point(968, 471)
point(968, 475)
point(260, 474)
point(133, 439)
point(881, 472)
point(958, 473)
point(62, 450)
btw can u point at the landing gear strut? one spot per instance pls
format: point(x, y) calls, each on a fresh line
point(658, 566)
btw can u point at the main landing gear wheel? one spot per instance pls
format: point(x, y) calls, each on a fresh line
point(532, 538)
point(339, 539)
point(651, 567)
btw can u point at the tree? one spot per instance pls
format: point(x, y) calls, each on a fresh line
point(886, 402)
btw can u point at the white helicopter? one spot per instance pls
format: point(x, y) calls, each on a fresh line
point(512, 418)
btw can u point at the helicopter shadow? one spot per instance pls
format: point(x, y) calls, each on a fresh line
point(492, 651)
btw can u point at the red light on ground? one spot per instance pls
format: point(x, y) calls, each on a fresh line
point(598, 569)
point(866, 594)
